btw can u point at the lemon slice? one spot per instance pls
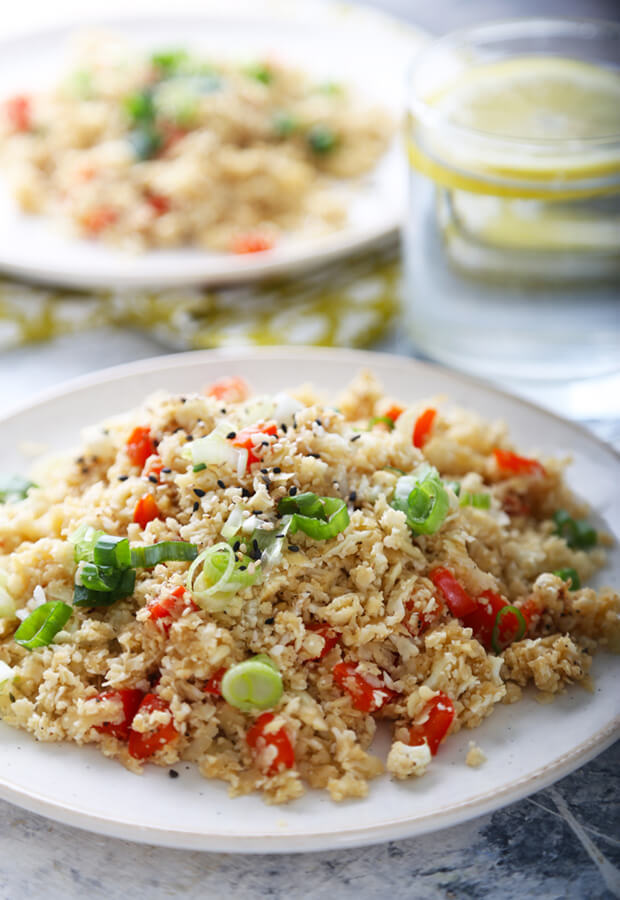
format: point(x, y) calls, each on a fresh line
point(530, 120)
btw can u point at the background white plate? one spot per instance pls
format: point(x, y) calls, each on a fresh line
point(332, 41)
point(528, 745)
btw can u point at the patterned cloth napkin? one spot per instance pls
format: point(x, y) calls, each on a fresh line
point(350, 303)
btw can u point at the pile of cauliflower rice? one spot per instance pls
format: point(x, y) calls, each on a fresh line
point(379, 609)
point(169, 148)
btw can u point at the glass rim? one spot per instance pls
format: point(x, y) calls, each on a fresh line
point(429, 117)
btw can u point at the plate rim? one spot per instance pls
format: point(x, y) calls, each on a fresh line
point(291, 260)
point(71, 813)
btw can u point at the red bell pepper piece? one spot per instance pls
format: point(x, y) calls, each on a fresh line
point(214, 684)
point(512, 464)
point(276, 746)
point(329, 636)
point(18, 111)
point(146, 509)
point(440, 715)
point(145, 744)
point(131, 698)
point(368, 693)
point(231, 389)
point(140, 445)
point(460, 603)
point(423, 426)
point(245, 440)
point(169, 605)
point(251, 243)
point(394, 412)
point(482, 619)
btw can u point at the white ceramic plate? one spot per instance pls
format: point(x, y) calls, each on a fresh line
point(332, 41)
point(528, 746)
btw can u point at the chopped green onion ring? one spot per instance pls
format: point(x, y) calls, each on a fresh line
point(42, 625)
point(253, 684)
point(320, 518)
point(109, 550)
point(381, 420)
point(221, 575)
point(479, 500)
point(165, 551)
point(88, 597)
point(578, 533)
point(98, 578)
point(571, 576)
point(199, 467)
point(14, 488)
point(496, 642)
point(423, 499)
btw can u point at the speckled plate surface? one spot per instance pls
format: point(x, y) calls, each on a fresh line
point(528, 745)
point(378, 51)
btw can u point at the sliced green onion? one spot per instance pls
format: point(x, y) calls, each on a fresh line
point(112, 551)
point(423, 499)
point(284, 124)
point(169, 62)
point(85, 596)
point(570, 575)
point(220, 577)
point(253, 684)
point(381, 420)
point(139, 106)
point(454, 486)
point(271, 543)
point(498, 642)
point(578, 533)
point(42, 625)
point(166, 551)
point(84, 539)
point(98, 578)
point(145, 142)
point(479, 500)
point(321, 139)
point(321, 518)
point(14, 488)
point(259, 72)
point(199, 467)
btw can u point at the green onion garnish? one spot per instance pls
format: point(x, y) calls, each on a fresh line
point(216, 575)
point(381, 420)
point(139, 106)
point(112, 551)
point(479, 500)
point(85, 596)
point(99, 578)
point(423, 499)
point(199, 467)
point(145, 142)
point(42, 625)
point(166, 551)
point(320, 518)
point(259, 72)
point(14, 487)
point(321, 139)
point(578, 533)
point(253, 684)
point(169, 61)
point(84, 539)
point(499, 640)
point(570, 575)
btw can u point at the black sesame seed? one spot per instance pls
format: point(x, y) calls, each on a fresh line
point(166, 470)
point(221, 484)
point(292, 491)
point(153, 479)
point(315, 455)
point(353, 496)
point(277, 469)
point(356, 437)
point(242, 568)
point(189, 437)
point(264, 471)
point(196, 506)
point(123, 477)
point(245, 492)
point(178, 428)
point(266, 481)
point(173, 774)
point(293, 548)
point(318, 422)
point(84, 470)
point(231, 435)
point(270, 620)
point(199, 492)
point(183, 399)
point(280, 535)
point(283, 427)
point(264, 443)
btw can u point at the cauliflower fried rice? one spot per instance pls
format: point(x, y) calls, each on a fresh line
point(364, 614)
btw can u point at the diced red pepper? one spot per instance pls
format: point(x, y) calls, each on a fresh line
point(460, 603)
point(440, 715)
point(251, 243)
point(169, 605)
point(18, 111)
point(229, 390)
point(140, 445)
point(146, 509)
point(423, 426)
point(264, 743)
point(368, 693)
point(158, 203)
point(425, 620)
point(245, 440)
point(328, 634)
point(152, 467)
point(145, 744)
point(512, 464)
point(95, 220)
point(482, 619)
point(394, 412)
point(214, 684)
point(130, 699)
